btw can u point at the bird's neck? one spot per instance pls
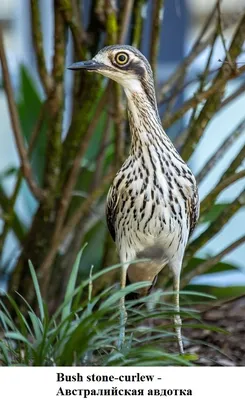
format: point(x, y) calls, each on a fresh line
point(145, 124)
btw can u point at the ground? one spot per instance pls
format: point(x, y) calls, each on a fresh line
point(231, 317)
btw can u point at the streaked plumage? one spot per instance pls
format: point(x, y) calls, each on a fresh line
point(152, 205)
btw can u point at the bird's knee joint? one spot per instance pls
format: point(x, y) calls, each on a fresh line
point(177, 320)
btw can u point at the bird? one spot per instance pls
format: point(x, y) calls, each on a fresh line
point(152, 205)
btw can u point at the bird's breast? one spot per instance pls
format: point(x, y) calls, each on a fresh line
point(148, 203)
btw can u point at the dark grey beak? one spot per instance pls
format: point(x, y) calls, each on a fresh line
point(90, 65)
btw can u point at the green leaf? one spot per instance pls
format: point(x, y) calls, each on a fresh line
point(37, 290)
point(213, 213)
point(24, 326)
point(123, 292)
point(190, 357)
point(219, 292)
point(219, 267)
point(71, 287)
point(4, 350)
point(37, 326)
point(17, 336)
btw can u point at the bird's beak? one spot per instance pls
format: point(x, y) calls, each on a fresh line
point(90, 65)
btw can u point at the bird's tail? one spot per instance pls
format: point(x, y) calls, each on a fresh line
point(146, 271)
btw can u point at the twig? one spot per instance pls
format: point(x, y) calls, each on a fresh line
point(38, 45)
point(232, 137)
point(206, 265)
point(197, 48)
point(233, 96)
point(228, 57)
point(179, 89)
point(198, 97)
point(226, 73)
point(204, 75)
point(223, 184)
point(180, 139)
point(125, 19)
point(236, 162)
point(155, 32)
point(25, 165)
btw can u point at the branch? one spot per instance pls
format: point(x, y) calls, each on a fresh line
point(101, 153)
point(119, 123)
point(208, 264)
point(67, 193)
point(25, 165)
point(71, 16)
point(198, 97)
point(9, 208)
point(17, 225)
point(235, 163)
point(125, 20)
point(197, 48)
point(223, 184)
point(111, 23)
point(226, 73)
point(220, 27)
point(74, 220)
point(112, 33)
point(180, 88)
point(137, 23)
point(155, 32)
point(74, 172)
point(55, 106)
point(204, 75)
point(232, 137)
point(233, 96)
point(215, 227)
point(38, 46)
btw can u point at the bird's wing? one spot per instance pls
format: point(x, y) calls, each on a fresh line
point(194, 206)
point(111, 207)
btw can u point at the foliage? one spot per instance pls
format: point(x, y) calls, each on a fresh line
point(63, 177)
point(86, 333)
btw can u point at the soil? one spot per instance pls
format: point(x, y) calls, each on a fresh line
point(220, 349)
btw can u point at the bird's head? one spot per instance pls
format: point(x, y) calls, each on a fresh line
point(123, 64)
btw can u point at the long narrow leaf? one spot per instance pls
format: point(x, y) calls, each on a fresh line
point(37, 290)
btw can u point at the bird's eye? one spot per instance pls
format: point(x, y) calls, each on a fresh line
point(121, 58)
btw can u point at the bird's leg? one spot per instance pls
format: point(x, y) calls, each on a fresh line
point(177, 318)
point(123, 313)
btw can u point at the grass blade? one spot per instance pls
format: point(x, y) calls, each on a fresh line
point(37, 290)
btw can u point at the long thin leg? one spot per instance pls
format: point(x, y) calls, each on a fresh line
point(123, 313)
point(177, 318)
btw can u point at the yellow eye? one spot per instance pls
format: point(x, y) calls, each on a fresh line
point(121, 58)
